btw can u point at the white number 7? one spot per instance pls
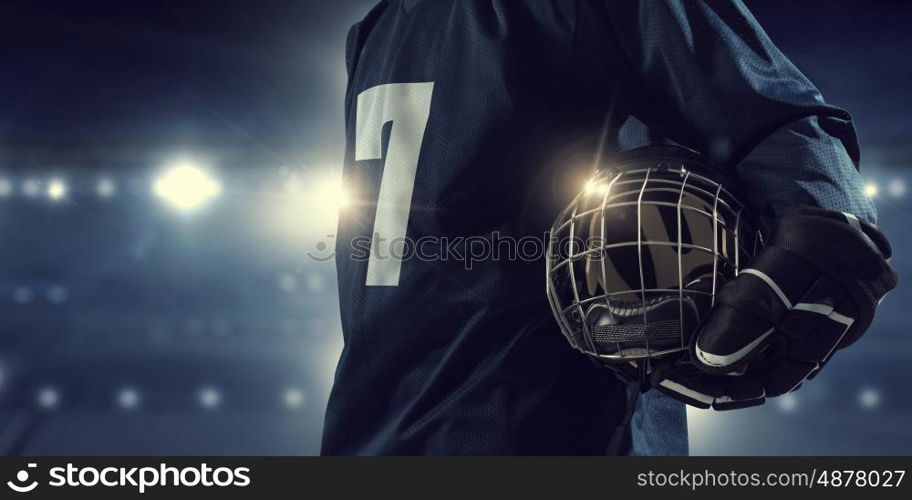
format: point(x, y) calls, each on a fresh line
point(408, 106)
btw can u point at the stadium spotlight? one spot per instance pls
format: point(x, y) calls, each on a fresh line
point(288, 282)
point(210, 398)
point(22, 295)
point(293, 398)
point(6, 188)
point(871, 190)
point(56, 190)
point(128, 398)
point(869, 398)
point(105, 188)
point(57, 295)
point(31, 188)
point(186, 186)
point(788, 403)
point(48, 398)
point(897, 188)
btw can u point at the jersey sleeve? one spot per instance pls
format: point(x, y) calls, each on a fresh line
point(707, 76)
point(351, 48)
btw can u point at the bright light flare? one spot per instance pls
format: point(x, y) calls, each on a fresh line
point(6, 188)
point(871, 190)
point(187, 187)
point(307, 206)
point(593, 186)
point(56, 190)
point(333, 195)
point(319, 199)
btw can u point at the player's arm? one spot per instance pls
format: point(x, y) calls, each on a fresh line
point(706, 73)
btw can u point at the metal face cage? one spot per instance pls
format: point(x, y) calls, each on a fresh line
point(635, 260)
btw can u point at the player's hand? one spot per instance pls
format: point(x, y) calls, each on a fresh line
point(812, 290)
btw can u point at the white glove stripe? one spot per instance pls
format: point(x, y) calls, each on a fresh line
point(825, 310)
point(699, 396)
point(853, 221)
point(711, 359)
point(686, 391)
point(839, 318)
point(729, 359)
point(772, 284)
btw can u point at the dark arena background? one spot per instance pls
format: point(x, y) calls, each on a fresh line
point(169, 181)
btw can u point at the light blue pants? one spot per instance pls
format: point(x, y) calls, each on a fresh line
point(659, 426)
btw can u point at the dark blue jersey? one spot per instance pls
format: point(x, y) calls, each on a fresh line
point(459, 115)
